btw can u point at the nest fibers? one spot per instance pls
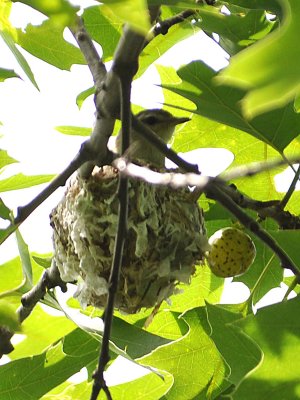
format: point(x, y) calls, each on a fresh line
point(165, 240)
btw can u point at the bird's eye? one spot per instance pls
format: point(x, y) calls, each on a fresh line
point(151, 120)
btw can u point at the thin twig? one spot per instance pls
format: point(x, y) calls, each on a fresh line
point(291, 189)
point(162, 27)
point(86, 45)
point(256, 168)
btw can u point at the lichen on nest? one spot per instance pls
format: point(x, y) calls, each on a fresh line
point(166, 238)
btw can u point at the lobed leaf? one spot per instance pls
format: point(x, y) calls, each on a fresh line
point(46, 42)
point(197, 367)
point(222, 104)
point(276, 330)
point(273, 83)
point(240, 352)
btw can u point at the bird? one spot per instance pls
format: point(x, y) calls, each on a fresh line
point(160, 122)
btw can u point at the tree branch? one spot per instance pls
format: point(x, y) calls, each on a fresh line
point(162, 27)
point(86, 45)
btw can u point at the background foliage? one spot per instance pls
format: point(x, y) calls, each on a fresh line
point(196, 347)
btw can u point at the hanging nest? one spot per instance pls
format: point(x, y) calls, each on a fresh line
point(165, 240)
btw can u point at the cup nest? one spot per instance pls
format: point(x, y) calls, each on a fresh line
point(165, 239)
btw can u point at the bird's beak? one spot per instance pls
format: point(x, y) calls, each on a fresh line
point(182, 120)
point(179, 120)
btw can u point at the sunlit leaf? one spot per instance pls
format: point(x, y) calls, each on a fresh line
point(46, 42)
point(150, 387)
point(44, 262)
point(50, 368)
point(21, 181)
point(84, 95)
point(198, 369)
point(9, 35)
point(273, 87)
point(222, 104)
point(25, 260)
point(18, 55)
point(10, 275)
point(8, 316)
point(74, 130)
point(7, 73)
point(5, 159)
point(134, 12)
point(5, 212)
point(41, 330)
point(97, 21)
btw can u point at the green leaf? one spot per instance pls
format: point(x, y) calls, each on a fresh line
point(204, 286)
point(276, 330)
point(84, 95)
point(150, 387)
point(61, 11)
point(135, 341)
point(5, 212)
point(8, 39)
point(47, 43)
point(21, 181)
point(237, 29)
point(198, 369)
point(9, 36)
point(7, 73)
point(8, 317)
point(74, 130)
point(25, 260)
point(134, 12)
point(273, 6)
point(41, 330)
point(11, 276)
point(50, 368)
point(273, 83)
point(44, 262)
point(222, 104)
point(202, 132)
point(5, 159)
point(289, 241)
point(239, 351)
point(5, 233)
point(105, 29)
